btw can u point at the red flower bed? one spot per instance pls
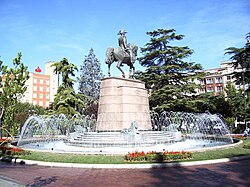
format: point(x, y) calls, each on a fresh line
point(7, 149)
point(238, 136)
point(158, 156)
point(2, 140)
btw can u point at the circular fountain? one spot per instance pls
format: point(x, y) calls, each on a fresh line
point(170, 131)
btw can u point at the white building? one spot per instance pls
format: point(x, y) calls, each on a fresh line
point(216, 79)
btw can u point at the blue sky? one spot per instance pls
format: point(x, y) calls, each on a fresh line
point(48, 30)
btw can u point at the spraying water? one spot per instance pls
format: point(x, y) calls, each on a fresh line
point(169, 130)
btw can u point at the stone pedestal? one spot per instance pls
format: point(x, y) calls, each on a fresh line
point(123, 101)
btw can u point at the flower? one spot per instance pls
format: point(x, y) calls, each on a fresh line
point(2, 140)
point(7, 148)
point(157, 156)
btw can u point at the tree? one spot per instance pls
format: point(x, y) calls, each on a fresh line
point(12, 83)
point(91, 74)
point(66, 100)
point(235, 99)
point(168, 75)
point(241, 59)
point(23, 111)
point(237, 103)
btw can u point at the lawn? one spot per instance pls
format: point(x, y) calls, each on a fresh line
point(119, 159)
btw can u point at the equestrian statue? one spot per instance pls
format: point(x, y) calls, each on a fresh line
point(124, 54)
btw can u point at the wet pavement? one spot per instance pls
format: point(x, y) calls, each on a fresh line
point(228, 174)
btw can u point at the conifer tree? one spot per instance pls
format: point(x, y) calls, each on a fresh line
point(66, 100)
point(90, 76)
point(168, 74)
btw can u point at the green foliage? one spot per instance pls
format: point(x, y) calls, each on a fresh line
point(13, 89)
point(235, 99)
point(66, 69)
point(246, 145)
point(23, 111)
point(169, 75)
point(241, 59)
point(91, 74)
point(66, 100)
point(213, 104)
point(91, 109)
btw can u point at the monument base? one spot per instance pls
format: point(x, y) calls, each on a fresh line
point(123, 101)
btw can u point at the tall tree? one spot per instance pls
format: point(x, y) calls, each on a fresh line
point(235, 100)
point(66, 100)
point(241, 60)
point(169, 75)
point(91, 74)
point(12, 84)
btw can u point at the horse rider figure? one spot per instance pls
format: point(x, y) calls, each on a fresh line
point(124, 54)
point(122, 42)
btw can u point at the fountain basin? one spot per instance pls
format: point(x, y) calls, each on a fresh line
point(61, 146)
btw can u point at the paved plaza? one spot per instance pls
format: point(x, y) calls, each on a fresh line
point(232, 174)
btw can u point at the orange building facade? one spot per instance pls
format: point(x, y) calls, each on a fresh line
point(41, 88)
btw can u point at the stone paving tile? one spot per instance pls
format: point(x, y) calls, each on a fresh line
point(229, 174)
point(7, 182)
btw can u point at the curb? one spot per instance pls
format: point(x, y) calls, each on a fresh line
point(134, 166)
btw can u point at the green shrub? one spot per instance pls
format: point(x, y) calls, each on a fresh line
point(247, 145)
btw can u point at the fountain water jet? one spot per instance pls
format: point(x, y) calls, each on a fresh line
point(170, 131)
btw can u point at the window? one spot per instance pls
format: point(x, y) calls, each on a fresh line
point(47, 96)
point(219, 88)
point(47, 82)
point(35, 80)
point(203, 90)
point(41, 96)
point(35, 88)
point(209, 81)
point(210, 89)
point(41, 88)
point(35, 95)
point(218, 79)
point(41, 81)
point(228, 78)
point(47, 88)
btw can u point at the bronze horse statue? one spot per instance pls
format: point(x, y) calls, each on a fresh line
point(122, 57)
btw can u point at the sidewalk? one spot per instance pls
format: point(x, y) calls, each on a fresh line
point(231, 174)
point(7, 182)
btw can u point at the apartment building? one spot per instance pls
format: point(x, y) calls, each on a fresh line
point(41, 88)
point(216, 79)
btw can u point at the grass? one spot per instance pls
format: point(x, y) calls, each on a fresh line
point(119, 159)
